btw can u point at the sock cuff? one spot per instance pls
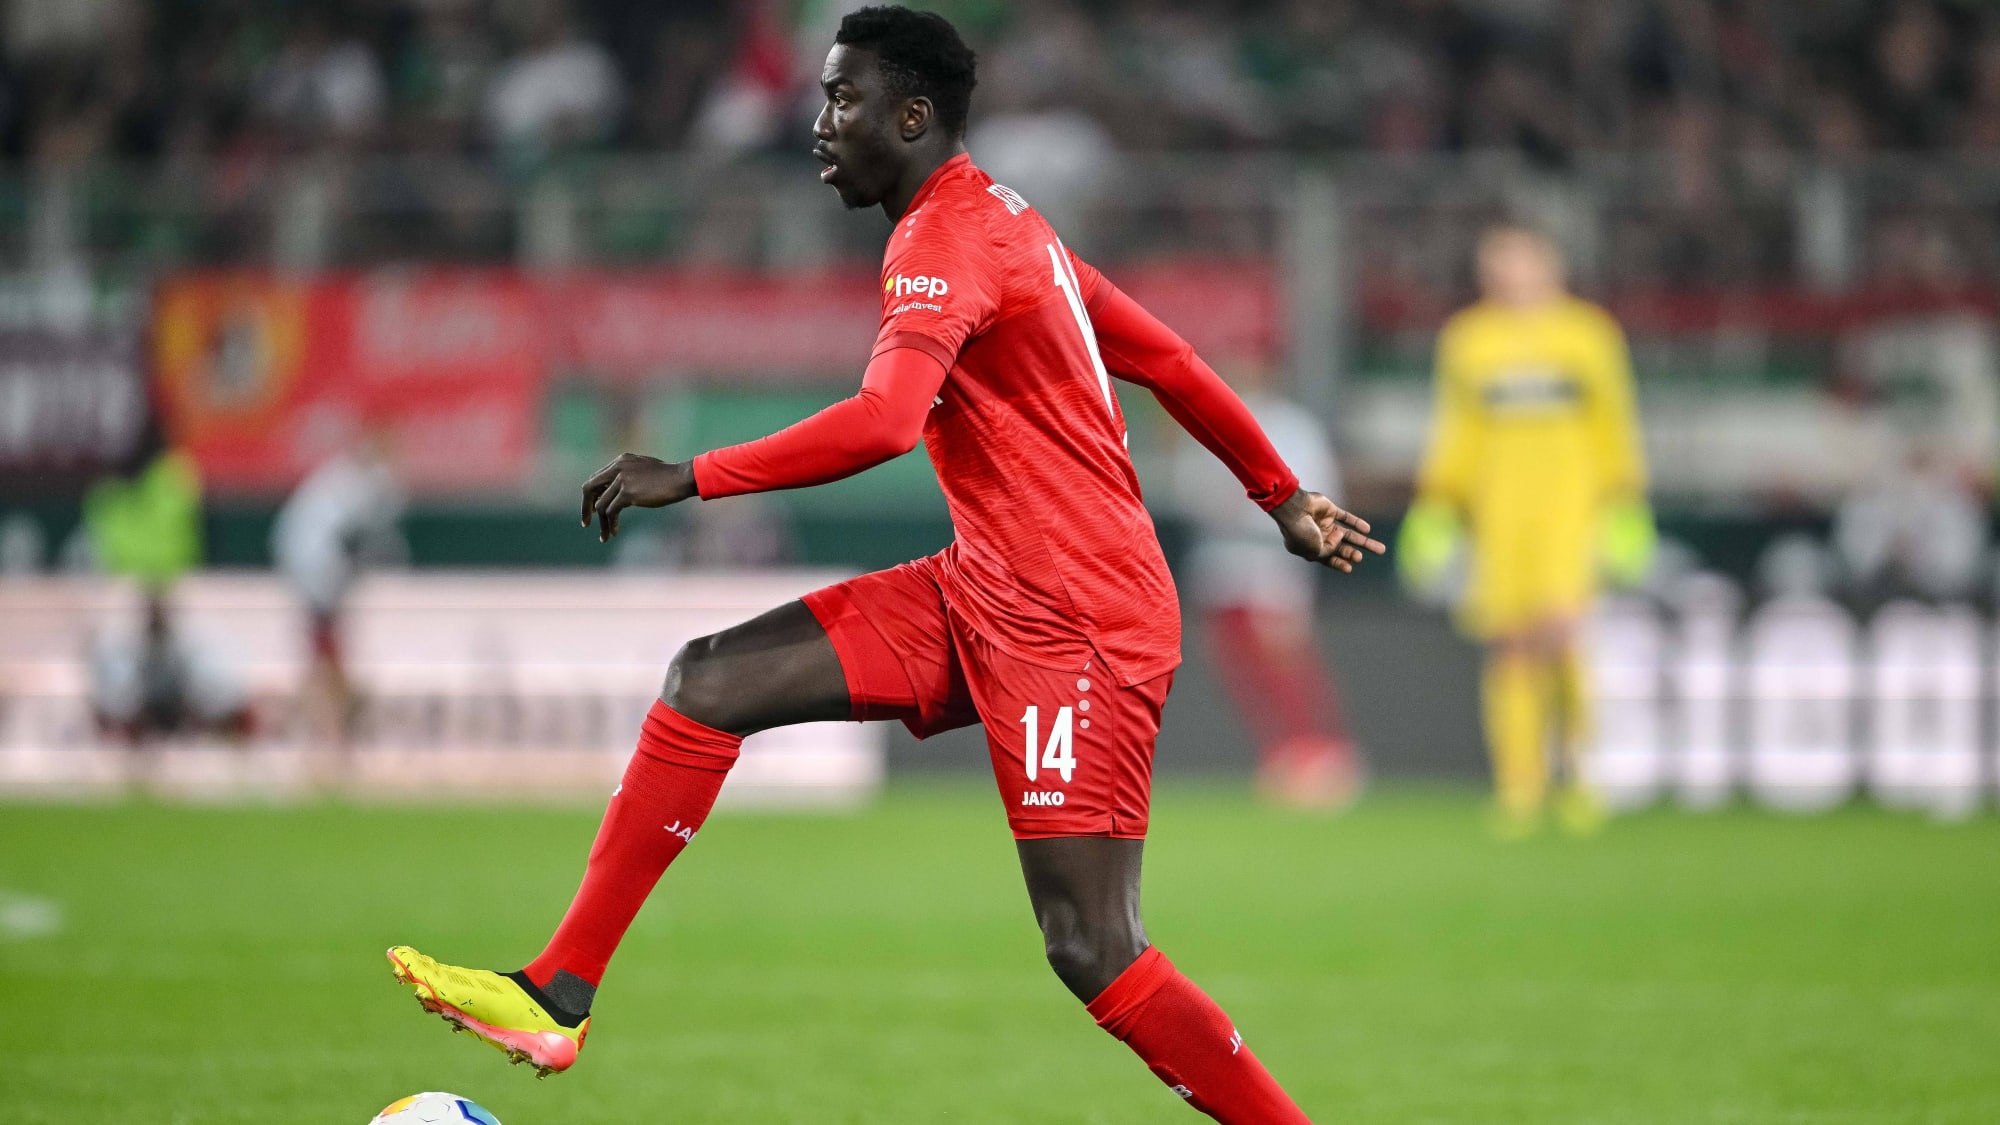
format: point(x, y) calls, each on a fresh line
point(1113, 1007)
point(672, 737)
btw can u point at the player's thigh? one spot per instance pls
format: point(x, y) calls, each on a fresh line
point(1072, 751)
point(1085, 892)
point(776, 669)
point(1522, 581)
point(890, 632)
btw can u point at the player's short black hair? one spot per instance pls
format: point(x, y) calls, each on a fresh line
point(921, 55)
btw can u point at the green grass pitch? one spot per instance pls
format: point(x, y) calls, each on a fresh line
point(1391, 966)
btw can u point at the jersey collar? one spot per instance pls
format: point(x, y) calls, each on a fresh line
point(945, 171)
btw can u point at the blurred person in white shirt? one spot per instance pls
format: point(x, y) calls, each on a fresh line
point(344, 517)
point(1249, 594)
point(1920, 531)
point(563, 90)
point(321, 83)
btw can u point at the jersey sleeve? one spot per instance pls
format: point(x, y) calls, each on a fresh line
point(884, 420)
point(1452, 454)
point(940, 288)
point(1090, 282)
point(1614, 417)
point(1137, 348)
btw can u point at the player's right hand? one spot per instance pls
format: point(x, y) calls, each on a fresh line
point(634, 480)
point(1316, 528)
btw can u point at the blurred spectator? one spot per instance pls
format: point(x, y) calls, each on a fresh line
point(1258, 607)
point(440, 75)
point(562, 91)
point(1917, 532)
point(147, 527)
point(320, 84)
point(164, 681)
point(686, 58)
point(1719, 104)
point(745, 109)
point(1059, 158)
point(341, 519)
point(1542, 76)
point(1909, 63)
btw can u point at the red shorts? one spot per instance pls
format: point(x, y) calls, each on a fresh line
point(1072, 751)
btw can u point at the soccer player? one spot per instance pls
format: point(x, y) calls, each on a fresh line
point(340, 520)
point(1258, 607)
point(1051, 618)
point(1535, 458)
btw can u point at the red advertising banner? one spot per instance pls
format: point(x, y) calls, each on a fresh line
point(772, 325)
point(262, 376)
point(783, 326)
point(1229, 310)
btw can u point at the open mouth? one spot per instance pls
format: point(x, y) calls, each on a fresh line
point(827, 172)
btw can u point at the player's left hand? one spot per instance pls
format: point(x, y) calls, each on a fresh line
point(1316, 528)
point(634, 480)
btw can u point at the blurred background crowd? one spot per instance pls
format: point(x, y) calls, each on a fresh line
point(1728, 100)
point(1557, 79)
point(482, 245)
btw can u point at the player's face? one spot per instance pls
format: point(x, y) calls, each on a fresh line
point(858, 135)
point(1519, 268)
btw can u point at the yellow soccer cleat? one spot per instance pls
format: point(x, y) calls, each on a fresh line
point(1581, 812)
point(494, 1007)
point(1513, 824)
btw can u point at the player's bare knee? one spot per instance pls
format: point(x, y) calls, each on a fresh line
point(694, 685)
point(1071, 955)
point(1087, 957)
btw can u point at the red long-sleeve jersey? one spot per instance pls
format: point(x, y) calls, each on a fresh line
point(996, 348)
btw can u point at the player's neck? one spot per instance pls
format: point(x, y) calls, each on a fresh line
point(922, 165)
point(1538, 301)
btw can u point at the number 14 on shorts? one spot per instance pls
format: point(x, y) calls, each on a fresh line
point(1057, 753)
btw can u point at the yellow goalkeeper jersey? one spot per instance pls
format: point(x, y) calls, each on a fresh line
point(1534, 431)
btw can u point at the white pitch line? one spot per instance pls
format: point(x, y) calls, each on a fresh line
point(26, 917)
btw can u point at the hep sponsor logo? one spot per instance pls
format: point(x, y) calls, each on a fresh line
point(1042, 797)
point(925, 286)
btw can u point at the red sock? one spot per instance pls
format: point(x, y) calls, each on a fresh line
point(1189, 1042)
point(669, 787)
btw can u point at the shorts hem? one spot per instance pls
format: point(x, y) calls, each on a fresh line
point(837, 615)
point(1112, 826)
point(872, 666)
point(1105, 835)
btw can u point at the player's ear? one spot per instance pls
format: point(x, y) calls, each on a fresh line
point(918, 117)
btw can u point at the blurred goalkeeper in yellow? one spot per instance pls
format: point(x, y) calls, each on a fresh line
point(1535, 477)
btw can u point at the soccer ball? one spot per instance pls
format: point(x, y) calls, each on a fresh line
point(435, 1108)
